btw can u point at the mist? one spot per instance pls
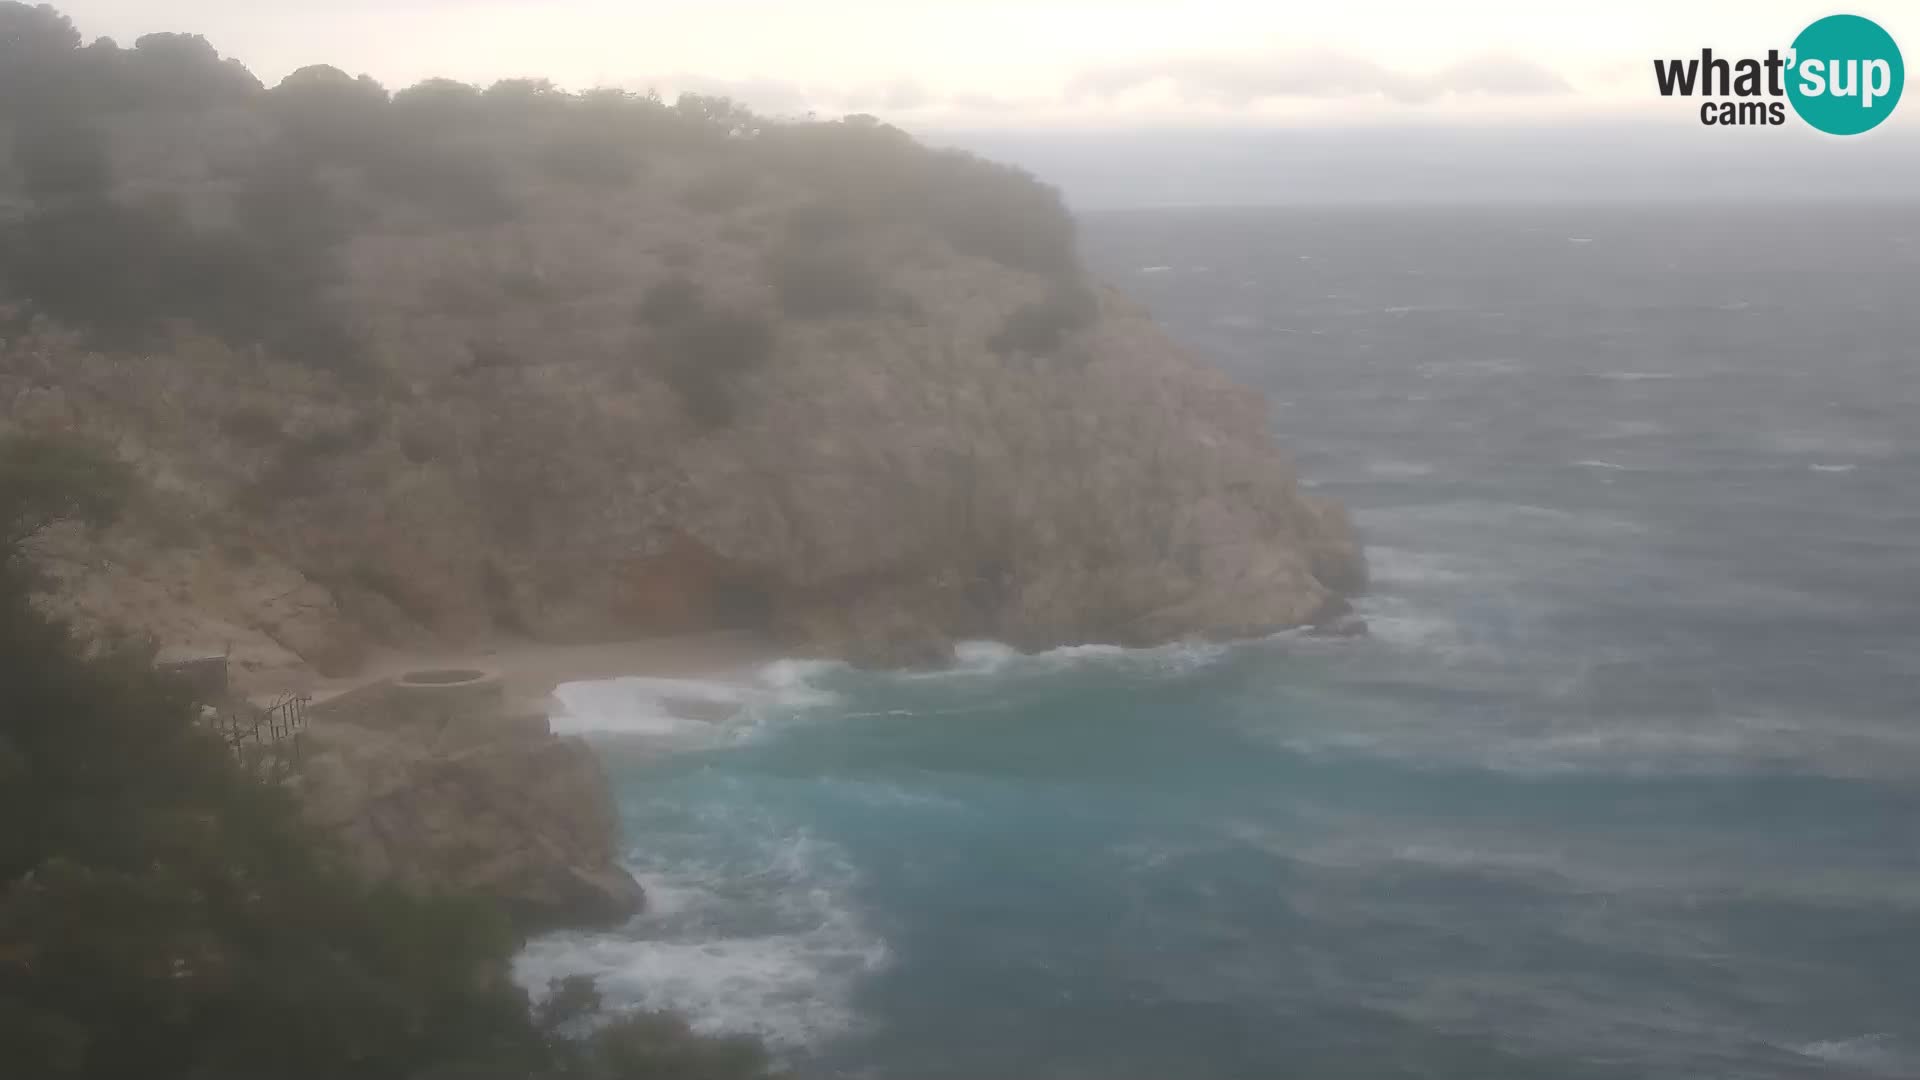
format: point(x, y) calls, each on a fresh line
point(1583, 162)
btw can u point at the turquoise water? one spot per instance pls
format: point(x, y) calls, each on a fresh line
point(1623, 785)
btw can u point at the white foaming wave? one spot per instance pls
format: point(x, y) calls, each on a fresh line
point(1833, 468)
point(1828, 444)
point(1877, 1051)
point(1501, 519)
point(795, 683)
point(1725, 743)
point(1441, 854)
point(1397, 622)
point(1677, 746)
point(1388, 565)
point(1635, 376)
point(1593, 464)
point(790, 984)
point(982, 656)
point(1175, 656)
point(1627, 750)
point(635, 705)
point(975, 659)
point(1469, 368)
point(690, 709)
point(1399, 470)
point(692, 713)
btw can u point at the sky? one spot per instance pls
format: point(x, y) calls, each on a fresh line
point(1012, 73)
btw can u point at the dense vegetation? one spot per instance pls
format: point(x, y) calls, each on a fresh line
point(165, 914)
point(162, 913)
point(248, 252)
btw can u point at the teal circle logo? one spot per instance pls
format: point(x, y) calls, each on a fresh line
point(1846, 75)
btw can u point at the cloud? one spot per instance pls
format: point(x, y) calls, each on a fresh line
point(985, 103)
point(1242, 80)
point(897, 96)
point(782, 98)
point(774, 96)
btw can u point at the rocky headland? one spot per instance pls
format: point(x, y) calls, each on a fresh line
point(420, 371)
point(451, 366)
point(438, 783)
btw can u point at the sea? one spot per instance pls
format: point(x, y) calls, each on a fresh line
point(1624, 782)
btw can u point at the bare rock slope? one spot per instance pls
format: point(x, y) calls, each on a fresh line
point(575, 368)
point(439, 787)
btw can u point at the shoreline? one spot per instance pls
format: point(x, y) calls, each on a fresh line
point(530, 671)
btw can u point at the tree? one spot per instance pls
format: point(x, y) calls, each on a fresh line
point(163, 913)
point(29, 31)
point(524, 101)
point(49, 479)
point(721, 115)
point(61, 160)
point(185, 71)
point(36, 49)
point(166, 914)
point(438, 100)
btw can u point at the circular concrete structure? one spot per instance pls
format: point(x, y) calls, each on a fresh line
point(441, 698)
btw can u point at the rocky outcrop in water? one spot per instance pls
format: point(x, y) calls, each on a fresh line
point(439, 788)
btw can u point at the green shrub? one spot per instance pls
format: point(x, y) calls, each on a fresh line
point(125, 273)
point(299, 468)
point(532, 285)
point(460, 184)
point(1000, 213)
point(590, 159)
point(824, 281)
point(390, 587)
point(432, 105)
point(58, 159)
point(678, 255)
point(522, 96)
point(711, 353)
point(165, 914)
point(490, 355)
point(720, 191)
point(669, 302)
point(1041, 327)
point(252, 425)
point(819, 223)
point(330, 114)
point(183, 71)
point(980, 207)
point(44, 479)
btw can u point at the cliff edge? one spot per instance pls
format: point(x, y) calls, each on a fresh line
point(426, 368)
point(431, 782)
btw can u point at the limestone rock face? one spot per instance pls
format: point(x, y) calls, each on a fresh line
point(442, 790)
point(526, 456)
point(272, 622)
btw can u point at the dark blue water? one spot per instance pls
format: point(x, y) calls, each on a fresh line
point(1625, 784)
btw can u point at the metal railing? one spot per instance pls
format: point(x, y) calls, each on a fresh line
point(267, 740)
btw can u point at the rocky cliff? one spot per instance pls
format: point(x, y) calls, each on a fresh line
point(431, 782)
point(444, 365)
